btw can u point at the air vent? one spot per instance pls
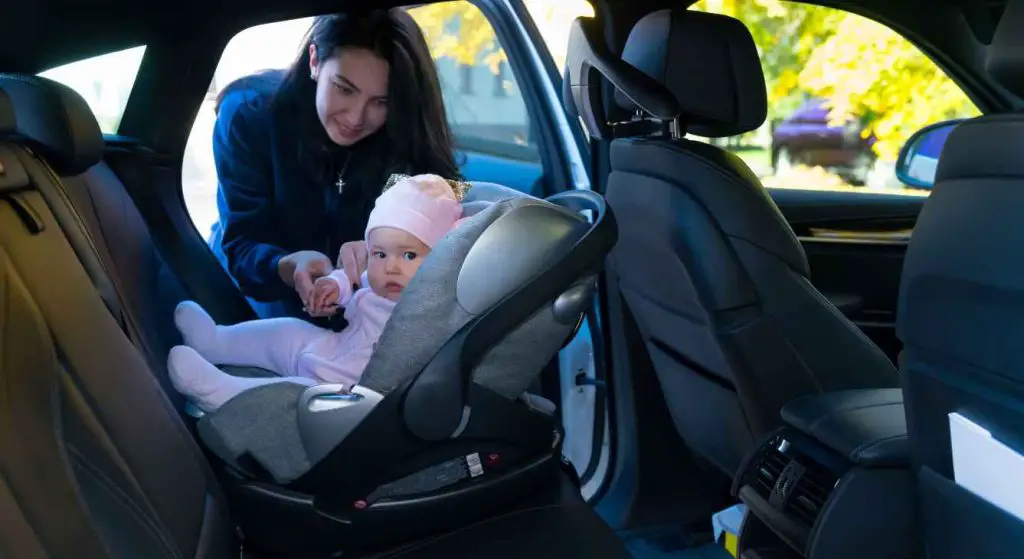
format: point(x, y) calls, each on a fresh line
point(788, 477)
point(811, 492)
point(767, 468)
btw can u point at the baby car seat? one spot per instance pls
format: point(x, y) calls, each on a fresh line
point(440, 430)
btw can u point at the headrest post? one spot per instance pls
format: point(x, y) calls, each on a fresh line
point(675, 129)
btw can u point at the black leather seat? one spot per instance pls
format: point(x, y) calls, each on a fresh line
point(94, 459)
point(961, 317)
point(110, 236)
point(714, 276)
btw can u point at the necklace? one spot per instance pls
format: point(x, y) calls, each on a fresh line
point(340, 183)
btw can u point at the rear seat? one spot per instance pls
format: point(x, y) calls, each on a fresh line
point(100, 464)
point(111, 238)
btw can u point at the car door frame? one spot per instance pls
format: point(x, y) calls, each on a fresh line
point(566, 148)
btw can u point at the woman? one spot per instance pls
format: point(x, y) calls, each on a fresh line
point(302, 154)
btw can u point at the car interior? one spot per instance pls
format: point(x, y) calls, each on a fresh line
point(838, 368)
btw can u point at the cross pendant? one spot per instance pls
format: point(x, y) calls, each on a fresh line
point(341, 185)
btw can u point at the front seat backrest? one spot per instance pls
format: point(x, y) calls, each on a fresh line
point(714, 276)
point(961, 319)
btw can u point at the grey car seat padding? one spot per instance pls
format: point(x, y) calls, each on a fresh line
point(262, 423)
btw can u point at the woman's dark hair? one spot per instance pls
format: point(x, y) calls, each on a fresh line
point(415, 138)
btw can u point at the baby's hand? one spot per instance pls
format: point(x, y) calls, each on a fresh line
point(324, 300)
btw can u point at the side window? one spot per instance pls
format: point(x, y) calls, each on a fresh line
point(553, 19)
point(844, 93)
point(104, 81)
point(486, 110)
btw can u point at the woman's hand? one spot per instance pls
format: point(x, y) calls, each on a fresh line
point(300, 269)
point(353, 258)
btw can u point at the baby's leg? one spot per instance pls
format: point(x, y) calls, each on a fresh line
point(273, 344)
point(207, 386)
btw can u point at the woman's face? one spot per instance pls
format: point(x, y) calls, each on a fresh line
point(351, 93)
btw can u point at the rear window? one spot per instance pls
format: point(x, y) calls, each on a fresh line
point(104, 81)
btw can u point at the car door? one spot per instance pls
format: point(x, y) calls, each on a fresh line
point(855, 236)
point(518, 25)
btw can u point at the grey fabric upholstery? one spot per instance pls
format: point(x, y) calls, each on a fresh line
point(428, 314)
point(432, 313)
point(712, 273)
point(729, 97)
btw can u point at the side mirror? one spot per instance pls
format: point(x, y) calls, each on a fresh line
point(919, 157)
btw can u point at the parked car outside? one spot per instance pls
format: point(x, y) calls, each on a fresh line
point(806, 137)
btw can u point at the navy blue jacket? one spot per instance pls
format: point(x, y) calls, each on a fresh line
point(270, 205)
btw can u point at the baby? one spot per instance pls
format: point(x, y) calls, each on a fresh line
point(408, 219)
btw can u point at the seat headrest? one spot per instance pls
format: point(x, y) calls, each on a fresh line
point(1005, 61)
point(54, 120)
point(710, 64)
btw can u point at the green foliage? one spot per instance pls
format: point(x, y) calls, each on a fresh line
point(863, 68)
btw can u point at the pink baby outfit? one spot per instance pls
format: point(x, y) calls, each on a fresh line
point(299, 352)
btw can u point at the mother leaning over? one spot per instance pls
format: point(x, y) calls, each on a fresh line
point(301, 154)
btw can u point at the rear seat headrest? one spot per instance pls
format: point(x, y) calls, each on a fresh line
point(54, 120)
point(710, 64)
point(1005, 61)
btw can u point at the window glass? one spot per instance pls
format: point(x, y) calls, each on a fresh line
point(553, 19)
point(844, 94)
point(104, 81)
point(485, 108)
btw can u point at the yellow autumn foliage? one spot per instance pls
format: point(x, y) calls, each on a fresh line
point(868, 70)
point(862, 67)
point(459, 31)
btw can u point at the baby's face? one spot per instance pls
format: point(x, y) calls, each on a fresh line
point(395, 255)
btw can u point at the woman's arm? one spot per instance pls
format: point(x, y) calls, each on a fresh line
point(251, 242)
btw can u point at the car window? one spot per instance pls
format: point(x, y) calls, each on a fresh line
point(104, 81)
point(553, 19)
point(844, 94)
point(485, 108)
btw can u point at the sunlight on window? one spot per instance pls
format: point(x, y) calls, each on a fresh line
point(844, 93)
point(104, 81)
point(553, 19)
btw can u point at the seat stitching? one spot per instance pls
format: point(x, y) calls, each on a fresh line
point(857, 451)
point(835, 411)
point(123, 497)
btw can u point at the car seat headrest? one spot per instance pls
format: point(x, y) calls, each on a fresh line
point(702, 69)
point(1005, 61)
point(54, 120)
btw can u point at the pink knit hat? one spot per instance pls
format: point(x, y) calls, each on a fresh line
point(425, 206)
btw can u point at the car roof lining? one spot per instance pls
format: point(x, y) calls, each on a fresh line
point(62, 31)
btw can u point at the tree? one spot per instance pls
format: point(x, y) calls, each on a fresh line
point(868, 70)
point(861, 67)
point(461, 32)
point(785, 33)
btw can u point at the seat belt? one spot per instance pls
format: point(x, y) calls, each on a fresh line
point(51, 469)
point(213, 293)
point(73, 225)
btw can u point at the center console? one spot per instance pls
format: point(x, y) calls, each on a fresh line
point(833, 483)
